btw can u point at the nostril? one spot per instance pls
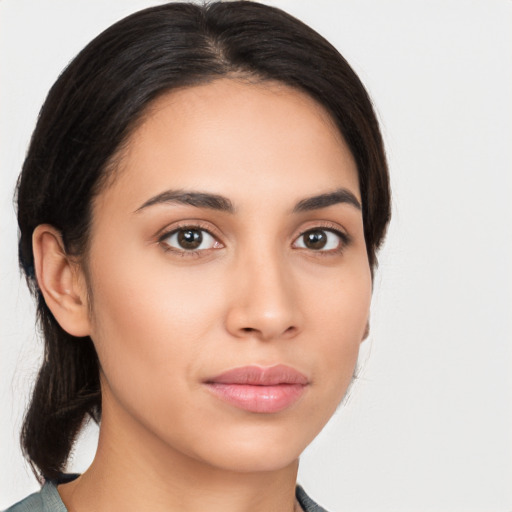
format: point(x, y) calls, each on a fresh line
point(290, 330)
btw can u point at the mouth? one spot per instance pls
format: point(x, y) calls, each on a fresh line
point(259, 390)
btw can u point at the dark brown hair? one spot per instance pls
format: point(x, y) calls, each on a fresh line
point(91, 110)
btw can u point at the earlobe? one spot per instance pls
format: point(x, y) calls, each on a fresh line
point(366, 331)
point(61, 281)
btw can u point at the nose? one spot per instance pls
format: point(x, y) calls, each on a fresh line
point(265, 302)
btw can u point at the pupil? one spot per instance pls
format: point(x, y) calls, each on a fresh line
point(190, 238)
point(315, 239)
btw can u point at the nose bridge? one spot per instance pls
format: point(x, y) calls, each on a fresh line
point(264, 304)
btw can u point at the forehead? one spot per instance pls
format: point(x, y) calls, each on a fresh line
point(234, 138)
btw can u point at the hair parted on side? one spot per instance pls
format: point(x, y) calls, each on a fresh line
point(90, 112)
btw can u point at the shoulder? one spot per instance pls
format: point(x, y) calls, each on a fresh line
point(306, 503)
point(46, 500)
point(32, 503)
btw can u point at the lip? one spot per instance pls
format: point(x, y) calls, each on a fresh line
point(260, 390)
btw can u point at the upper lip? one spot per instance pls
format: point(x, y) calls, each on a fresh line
point(261, 376)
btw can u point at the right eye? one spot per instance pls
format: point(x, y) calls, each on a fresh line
point(190, 239)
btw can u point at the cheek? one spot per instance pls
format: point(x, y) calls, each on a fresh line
point(145, 322)
point(339, 299)
point(338, 314)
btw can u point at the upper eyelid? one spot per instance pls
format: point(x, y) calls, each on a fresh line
point(327, 226)
point(169, 230)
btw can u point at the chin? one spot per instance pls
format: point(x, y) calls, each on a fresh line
point(262, 449)
point(254, 459)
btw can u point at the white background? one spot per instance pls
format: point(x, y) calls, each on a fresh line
point(428, 426)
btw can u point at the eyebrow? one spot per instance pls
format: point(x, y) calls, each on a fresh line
point(197, 199)
point(221, 203)
point(341, 195)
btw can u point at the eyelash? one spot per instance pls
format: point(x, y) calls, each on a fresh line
point(344, 240)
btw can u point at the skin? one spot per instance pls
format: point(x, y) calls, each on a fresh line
point(163, 319)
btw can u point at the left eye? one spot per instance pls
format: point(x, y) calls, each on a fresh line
point(190, 239)
point(319, 240)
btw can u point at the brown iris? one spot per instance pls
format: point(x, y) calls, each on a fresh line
point(315, 239)
point(190, 238)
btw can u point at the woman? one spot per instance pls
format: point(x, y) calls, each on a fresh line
point(200, 210)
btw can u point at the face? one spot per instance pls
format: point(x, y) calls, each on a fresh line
point(230, 285)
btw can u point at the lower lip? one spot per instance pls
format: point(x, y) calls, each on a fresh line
point(261, 399)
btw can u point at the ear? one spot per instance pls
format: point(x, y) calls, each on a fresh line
point(61, 281)
point(366, 331)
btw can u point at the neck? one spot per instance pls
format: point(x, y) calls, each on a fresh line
point(133, 470)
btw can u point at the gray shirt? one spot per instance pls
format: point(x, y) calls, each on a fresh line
point(48, 499)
